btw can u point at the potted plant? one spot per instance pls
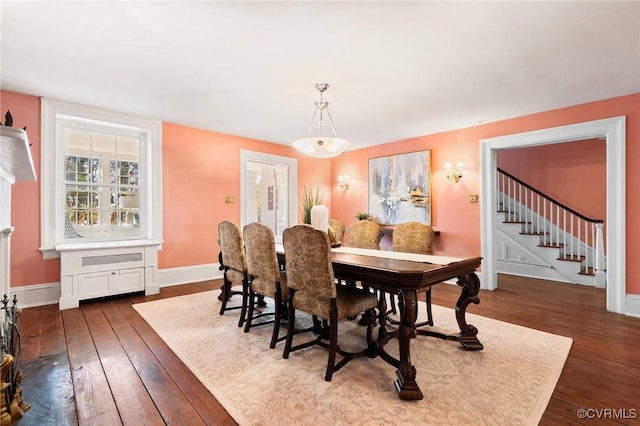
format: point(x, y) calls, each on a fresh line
point(309, 199)
point(362, 216)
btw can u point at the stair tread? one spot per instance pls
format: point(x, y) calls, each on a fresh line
point(574, 258)
point(590, 271)
point(513, 218)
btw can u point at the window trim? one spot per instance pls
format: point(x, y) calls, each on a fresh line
point(52, 154)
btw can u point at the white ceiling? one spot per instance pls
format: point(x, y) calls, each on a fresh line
point(396, 69)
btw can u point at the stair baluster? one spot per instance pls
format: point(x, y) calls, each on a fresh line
point(577, 237)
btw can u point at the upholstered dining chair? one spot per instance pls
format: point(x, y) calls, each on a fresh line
point(234, 264)
point(337, 227)
point(313, 290)
point(414, 237)
point(364, 234)
point(265, 278)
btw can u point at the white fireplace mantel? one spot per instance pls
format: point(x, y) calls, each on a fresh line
point(16, 164)
point(15, 155)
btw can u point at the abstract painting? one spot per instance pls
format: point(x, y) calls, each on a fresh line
point(400, 188)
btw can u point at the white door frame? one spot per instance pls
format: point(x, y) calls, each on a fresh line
point(276, 160)
point(610, 129)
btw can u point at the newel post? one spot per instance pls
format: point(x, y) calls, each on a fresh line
point(601, 267)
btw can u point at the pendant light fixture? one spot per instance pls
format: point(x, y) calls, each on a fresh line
point(321, 146)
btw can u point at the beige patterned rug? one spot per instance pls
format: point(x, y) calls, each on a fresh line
point(508, 383)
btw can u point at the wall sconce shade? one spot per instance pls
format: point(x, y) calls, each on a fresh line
point(344, 181)
point(321, 146)
point(454, 173)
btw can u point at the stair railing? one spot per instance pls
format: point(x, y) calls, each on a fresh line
point(578, 237)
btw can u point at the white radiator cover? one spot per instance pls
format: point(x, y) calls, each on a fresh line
point(98, 272)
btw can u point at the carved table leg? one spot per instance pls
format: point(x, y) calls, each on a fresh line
point(406, 384)
point(382, 316)
point(468, 333)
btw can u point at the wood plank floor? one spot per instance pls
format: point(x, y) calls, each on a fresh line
point(122, 373)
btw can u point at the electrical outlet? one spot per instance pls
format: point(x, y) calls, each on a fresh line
point(473, 198)
point(228, 199)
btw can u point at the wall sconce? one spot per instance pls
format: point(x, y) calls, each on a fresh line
point(454, 173)
point(344, 181)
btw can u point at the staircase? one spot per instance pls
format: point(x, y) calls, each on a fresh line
point(539, 237)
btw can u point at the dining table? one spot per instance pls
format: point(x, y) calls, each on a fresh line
point(406, 275)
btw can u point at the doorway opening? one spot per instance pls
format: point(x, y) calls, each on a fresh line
point(267, 190)
point(612, 130)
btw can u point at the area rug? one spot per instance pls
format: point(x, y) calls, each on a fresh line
point(508, 383)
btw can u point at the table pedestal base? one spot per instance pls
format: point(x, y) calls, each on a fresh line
point(406, 384)
point(407, 388)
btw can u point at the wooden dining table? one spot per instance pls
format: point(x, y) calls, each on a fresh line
point(406, 275)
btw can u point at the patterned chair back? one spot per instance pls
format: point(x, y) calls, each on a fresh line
point(232, 246)
point(262, 260)
point(364, 234)
point(338, 229)
point(308, 263)
point(413, 237)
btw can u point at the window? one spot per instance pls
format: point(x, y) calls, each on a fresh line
point(102, 185)
point(97, 171)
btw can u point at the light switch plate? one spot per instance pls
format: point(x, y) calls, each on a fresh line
point(473, 198)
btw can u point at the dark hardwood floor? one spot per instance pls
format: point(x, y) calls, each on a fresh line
point(120, 372)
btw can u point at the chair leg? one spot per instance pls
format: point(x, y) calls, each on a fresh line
point(371, 343)
point(351, 283)
point(429, 314)
point(291, 315)
point(392, 302)
point(392, 299)
point(221, 294)
point(260, 301)
point(247, 322)
point(276, 320)
point(245, 302)
point(317, 325)
point(333, 343)
point(226, 289)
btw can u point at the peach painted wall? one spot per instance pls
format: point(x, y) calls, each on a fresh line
point(200, 168)
point(196, 181)
point(452, 214)
point(27, 266)
point(449, 206)
point(579, 166)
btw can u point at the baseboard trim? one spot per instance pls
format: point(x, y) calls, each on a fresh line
point(632, 305)
point(188, 274)
point(531, 271)
point(30, 296)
